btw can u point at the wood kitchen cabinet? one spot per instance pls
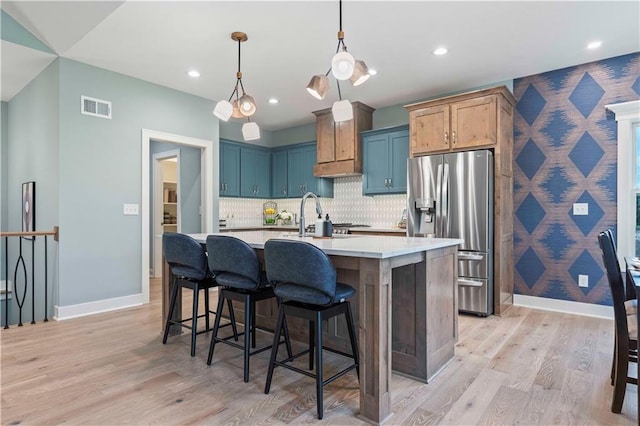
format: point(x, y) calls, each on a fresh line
point(384, 168)
point(255, 172)
point(229, 169)
point(339, 146)
point(477, 120)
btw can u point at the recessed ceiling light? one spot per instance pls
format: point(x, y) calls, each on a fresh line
point(372, 71)
point(273, 101)
point(594, 44)
point(440, 51)
point(193, 74)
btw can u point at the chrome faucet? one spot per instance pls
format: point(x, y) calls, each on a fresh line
point(301, 233)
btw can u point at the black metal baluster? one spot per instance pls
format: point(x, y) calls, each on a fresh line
point(6, 282)
point(33, 279)
point(46, 262)
point(15, 283)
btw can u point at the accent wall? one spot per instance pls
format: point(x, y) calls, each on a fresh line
point(565, 152)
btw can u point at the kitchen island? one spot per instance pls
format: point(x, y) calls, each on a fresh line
point(405, 306)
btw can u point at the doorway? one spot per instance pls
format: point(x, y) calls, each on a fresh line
point(209, 196)
point(166, 215)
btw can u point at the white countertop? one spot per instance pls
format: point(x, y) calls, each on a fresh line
point(368, 246)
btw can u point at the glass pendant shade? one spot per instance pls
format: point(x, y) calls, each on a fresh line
point(236, 110)
point(250, 131)
point(223, 110)
point(342, 65)
point(342, 110)
point(247, 105)
point(318, 86)
point(360, 73)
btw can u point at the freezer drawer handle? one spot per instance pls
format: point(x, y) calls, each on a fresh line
point(469, 283)
point(464, 256)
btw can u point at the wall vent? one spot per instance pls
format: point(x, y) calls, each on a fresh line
point(95, 107)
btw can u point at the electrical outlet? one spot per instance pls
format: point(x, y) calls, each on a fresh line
point(130, 209)
point(583, 280)
point(580, 209)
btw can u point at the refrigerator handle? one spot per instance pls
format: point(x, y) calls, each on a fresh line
point(444, 203)
point(438, 208)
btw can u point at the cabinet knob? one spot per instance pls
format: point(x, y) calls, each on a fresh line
point(390, 182)
point(446, 137)
point(454, 136)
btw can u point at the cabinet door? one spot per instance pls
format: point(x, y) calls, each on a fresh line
point(399, 153)
point(375, 167)
point(307, 177)
point(295, 177)
point(325, 134)
point(279, 174)
point(247, 172)
point(474, 122)
point(345, 145)
point(262, 175)
point(429, 129)
point(229, 170)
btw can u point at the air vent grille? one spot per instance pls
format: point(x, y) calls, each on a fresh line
point(95, 107)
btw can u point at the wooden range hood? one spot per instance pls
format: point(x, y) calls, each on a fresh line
point(339, 145)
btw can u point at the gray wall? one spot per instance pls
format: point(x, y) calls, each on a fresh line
point(100, 170)
point(32, 145)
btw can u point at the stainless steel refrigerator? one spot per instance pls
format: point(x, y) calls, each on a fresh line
point(451, 196)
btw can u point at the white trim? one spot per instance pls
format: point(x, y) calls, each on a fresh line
point(83, 309)
point(626, 114)
point(565, 306)
point(209, 184)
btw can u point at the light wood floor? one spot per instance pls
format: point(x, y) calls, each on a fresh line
point(527, 367)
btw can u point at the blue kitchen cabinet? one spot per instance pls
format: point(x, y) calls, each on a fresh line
point(279, 174)
point(384, 165)
point(229, 169)
point(300, 162)
point(255, 172)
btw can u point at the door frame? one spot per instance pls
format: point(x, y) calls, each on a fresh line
point(158, 200)
point(210, 198)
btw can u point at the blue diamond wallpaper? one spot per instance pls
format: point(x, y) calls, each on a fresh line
point(565, 152)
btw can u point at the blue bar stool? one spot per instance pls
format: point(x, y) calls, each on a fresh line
point(237, 268)
point(305, 280)
point(188, 263)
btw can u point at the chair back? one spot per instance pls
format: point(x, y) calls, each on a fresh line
point(616, 284)
point(185, 256)
point(300, 271)
point(234, 262)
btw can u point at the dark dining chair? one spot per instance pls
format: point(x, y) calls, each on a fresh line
point(305, 280)
point(238, 270)
point(188, 264)
point(626, 325)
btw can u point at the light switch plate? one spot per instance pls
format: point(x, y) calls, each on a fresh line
point(130, 209)
point(580, 209)
point(583, 280)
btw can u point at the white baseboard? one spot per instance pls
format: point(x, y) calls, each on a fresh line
point(99, 306)
point(566, 306)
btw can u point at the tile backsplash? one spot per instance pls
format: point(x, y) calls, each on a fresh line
point(348, 205)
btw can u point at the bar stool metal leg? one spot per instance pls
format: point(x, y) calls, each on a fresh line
point(172, 304)
point(319, 393)
point(194, 319)
point(216, 326)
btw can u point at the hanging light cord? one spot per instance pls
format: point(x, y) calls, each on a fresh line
point(239, 78)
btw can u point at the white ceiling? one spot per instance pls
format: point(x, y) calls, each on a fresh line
point(159, 41)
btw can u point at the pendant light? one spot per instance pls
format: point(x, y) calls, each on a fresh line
point(343, 67)
point(242, 106)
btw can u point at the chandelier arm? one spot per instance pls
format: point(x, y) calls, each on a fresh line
point(339, 91)
point(242, 86)
point(235, 90)
point(328, 71)
point(338, 47)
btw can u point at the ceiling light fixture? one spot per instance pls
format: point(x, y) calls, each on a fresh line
point(241, 106)
point(343, 67)
point(273, 101)
point(440, 51)
point(193, 73)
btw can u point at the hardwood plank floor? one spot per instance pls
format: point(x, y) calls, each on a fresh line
point(527, 367)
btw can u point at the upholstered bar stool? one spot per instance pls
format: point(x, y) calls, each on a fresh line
point(305, 280)
point(626, 326)
point(237, 268)
point(188, 264)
